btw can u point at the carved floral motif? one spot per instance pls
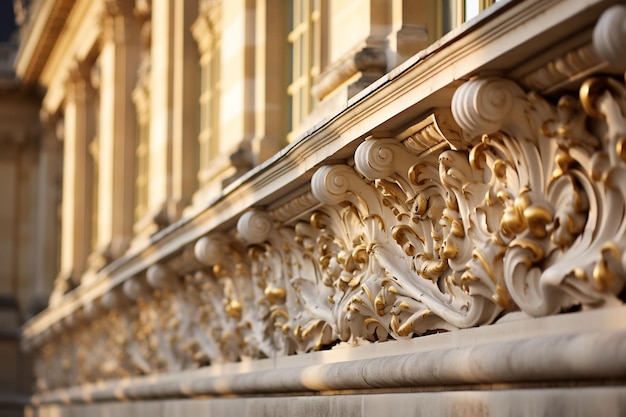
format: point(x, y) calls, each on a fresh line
point(519, 205)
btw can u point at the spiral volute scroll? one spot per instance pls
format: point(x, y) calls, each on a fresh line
point(609, 36)
point(331, 183)
point(376, 158)
point(133, 289)
point(255, 226)
point(110, 300)
point(209, 250)
point(91, 309)
point(160, 276)
point(485, 105)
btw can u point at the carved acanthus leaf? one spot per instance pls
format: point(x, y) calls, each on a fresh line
point(528, 213)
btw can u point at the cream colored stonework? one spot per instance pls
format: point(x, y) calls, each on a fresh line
point(449, 220)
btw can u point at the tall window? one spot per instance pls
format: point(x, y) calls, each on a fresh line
point(448, 14)
point(208, 137)
point(304, 52)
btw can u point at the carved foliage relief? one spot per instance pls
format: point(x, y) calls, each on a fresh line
point(516, 204)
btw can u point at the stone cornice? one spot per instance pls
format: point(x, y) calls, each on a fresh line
point(426, 81)
point(39, 37)
point(79, 44)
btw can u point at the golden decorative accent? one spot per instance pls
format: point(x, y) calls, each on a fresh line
point(591, 91)
point(531, 218)
point(620, 148)
point(275, 295)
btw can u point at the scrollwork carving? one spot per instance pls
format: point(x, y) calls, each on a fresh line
point(527, 213)
point(608, 35)
point(485, 105)
point(254, 226)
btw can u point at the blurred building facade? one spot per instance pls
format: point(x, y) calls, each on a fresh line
point(244, 199)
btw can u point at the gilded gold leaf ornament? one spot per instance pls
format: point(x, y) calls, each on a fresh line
point(620, 148)
point(593, 89)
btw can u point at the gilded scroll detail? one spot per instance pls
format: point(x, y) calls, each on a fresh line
point(522, 209)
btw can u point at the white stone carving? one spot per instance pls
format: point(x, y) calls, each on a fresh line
point(254, 226)
point(160, 276)
point(572, 65)
point(432, 230)
point(609, 35)
point(111, 300)
point(485, 105)
point(330, 184)
point(132, 289)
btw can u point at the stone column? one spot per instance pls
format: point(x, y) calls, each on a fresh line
point(237, 79)
point(161, 99)
point(118, 73)
point(355, 56)
point(49, 186)
point(409, 30)
point(76, 199)
point(173, 107)
point(270, 83)
point(185, 108)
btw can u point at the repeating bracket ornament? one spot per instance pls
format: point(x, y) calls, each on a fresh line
point(486, 105)
point(609, 35)
point(521, 209)
point(435, 131)
point(255, 226)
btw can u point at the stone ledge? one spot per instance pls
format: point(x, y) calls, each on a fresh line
point(517, 352)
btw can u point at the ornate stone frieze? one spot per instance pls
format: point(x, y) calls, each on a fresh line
point(505, 203)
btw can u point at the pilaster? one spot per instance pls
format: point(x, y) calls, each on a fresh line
point(118, 72)
point(270, 120)
point(77, 201)
point(356, 60)
point(173, 102)
point(48, 198)
point(409, 30)
point(161, 103)
point(237, 98)
point(184, 109)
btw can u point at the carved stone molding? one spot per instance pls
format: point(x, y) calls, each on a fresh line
point(515, 205)
point(434, 132)
point(606, 51)
point(572, 65)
